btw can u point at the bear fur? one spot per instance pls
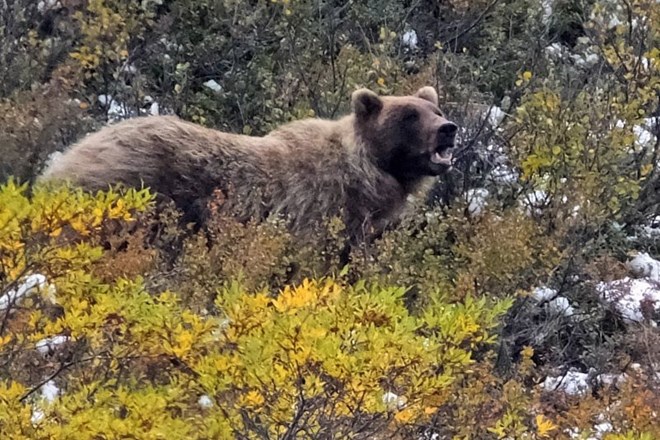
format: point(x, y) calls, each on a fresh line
point(361, 167)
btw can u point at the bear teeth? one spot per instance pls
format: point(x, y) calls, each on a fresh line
point(443, 158)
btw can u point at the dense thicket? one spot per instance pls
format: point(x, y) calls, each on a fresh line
point(518, 301)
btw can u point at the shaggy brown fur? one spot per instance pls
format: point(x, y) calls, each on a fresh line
point(362, 166)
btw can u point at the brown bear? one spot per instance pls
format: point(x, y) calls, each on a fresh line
point(361, 167)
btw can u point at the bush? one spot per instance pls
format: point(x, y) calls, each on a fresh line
point(459, 323)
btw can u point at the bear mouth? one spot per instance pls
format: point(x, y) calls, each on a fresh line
point(443, 155)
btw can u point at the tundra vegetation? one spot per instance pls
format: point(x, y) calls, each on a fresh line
point(520, 300)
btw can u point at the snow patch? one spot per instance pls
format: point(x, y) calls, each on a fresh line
point(129, 68)
point(575, 383)
point(32, 284)
point(561, 306)
point(544, 293)
point(394, 401)
point(205, 402)
point(555, 50)
point(644, 266)
point(534, 202)
point(602, 429)
point(504, 175)
point(213, 85)
point(642, 135)
point(632, 298)
point(495, 115)
point(548, 6)
point(47, 346)
point(555, 303)
point(572, 383)
point(115, 110)
point(409, 39)
point(46, 5)
point(588, 59)
point(477, 200)
point(49, 392)
point(154, 109)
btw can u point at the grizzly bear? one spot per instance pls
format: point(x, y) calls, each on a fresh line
point(361, 167)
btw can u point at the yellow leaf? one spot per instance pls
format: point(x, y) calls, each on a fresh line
point(253, 398)
point(404, 416)
point(527, 352)
point(544, 426)
point(646, 169)
point(381, 81)
point(527, 75)
point(430, 410)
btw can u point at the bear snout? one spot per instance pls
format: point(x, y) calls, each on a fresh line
point(446, 136)
point(447, 133)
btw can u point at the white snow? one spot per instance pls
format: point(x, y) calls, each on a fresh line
point(544, 293)
point(104, 99)
point(642, 135)
point(409, 39)
point(394, 401)
point(495, 115)
point(115, 110)
point(587, 59)
point(37, 416)
point(504, 175)
point(476, 199)
point(612, 379)
point(32, 284)
point(556, 304)
point(614, 21)
point(561, 306)
point(547, 6)
point(46, 5)
point(129, 68)
point(630, 295)
point(555, 50)
point(602, 429)
point(154, 109)
point(49, 392)
point(205, 402)
point(533, 202)
point(643, 266)
point(213, 85)
point(49, 345)
point(573, 383)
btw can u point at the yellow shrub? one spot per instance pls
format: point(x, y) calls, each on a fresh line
point(318, 356)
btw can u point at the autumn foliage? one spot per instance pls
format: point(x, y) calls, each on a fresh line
point(481, 316)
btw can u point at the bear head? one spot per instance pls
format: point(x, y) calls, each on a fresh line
point(407, 136)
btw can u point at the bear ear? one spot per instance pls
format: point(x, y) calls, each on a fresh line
point(365, 103)
point(428, 93)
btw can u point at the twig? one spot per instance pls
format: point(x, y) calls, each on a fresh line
point(474, 23)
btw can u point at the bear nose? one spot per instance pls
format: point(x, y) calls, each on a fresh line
point(448, 129)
